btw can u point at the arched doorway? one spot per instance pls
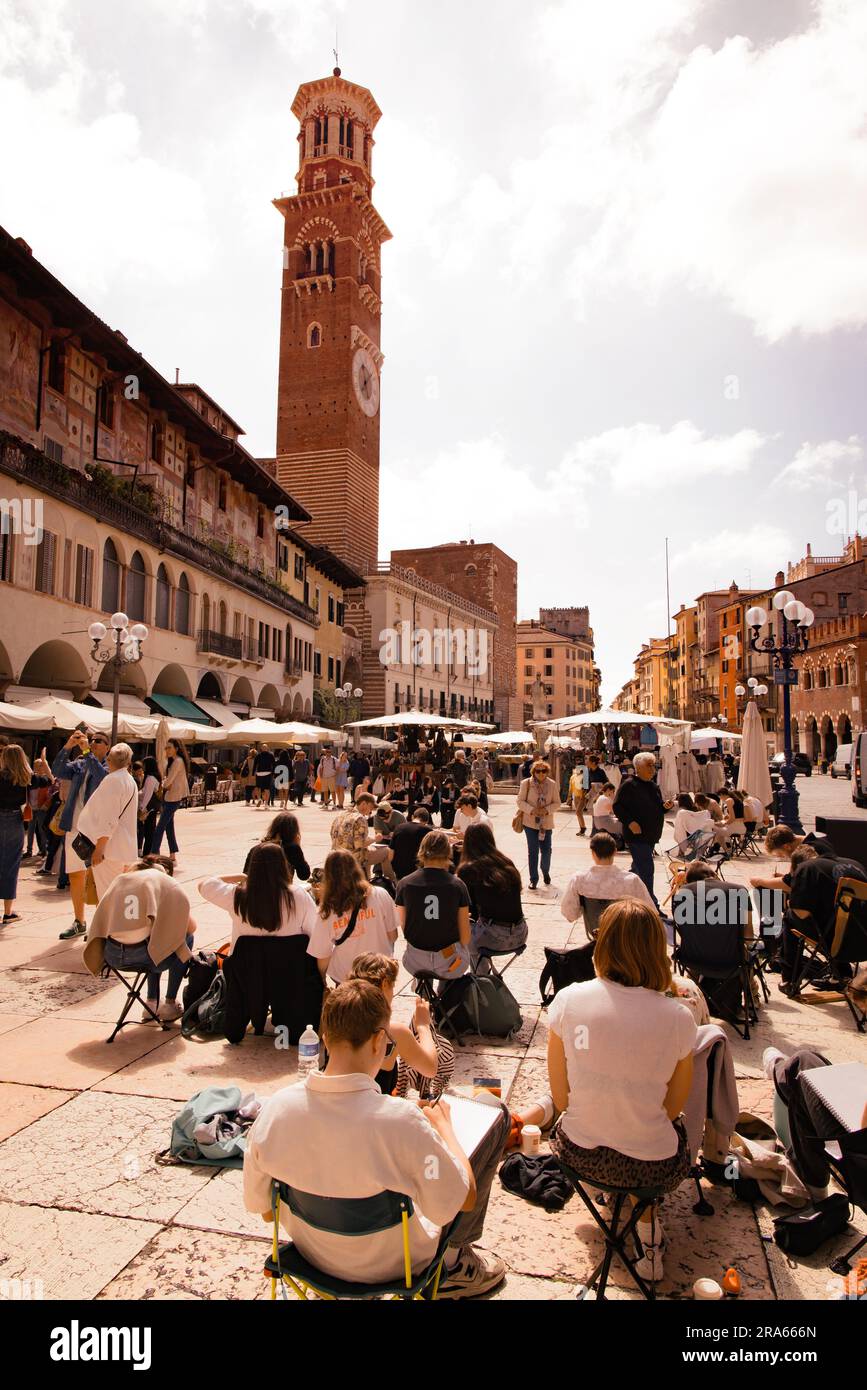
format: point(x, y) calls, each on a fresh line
point(209, 687)
point(828, 739)
point(268, 698)
point(172, 680)
point(811, 739)
point(132, 680)
point(796, 737)
point(56, 666)
point(844, 729)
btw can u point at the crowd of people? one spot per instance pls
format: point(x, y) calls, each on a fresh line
point(443, 898)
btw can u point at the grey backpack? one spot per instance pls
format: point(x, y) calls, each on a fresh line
point(480, 1004)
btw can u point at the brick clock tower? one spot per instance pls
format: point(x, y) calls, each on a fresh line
point(330, 359)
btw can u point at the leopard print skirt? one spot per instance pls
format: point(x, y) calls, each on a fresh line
point(606, 1167)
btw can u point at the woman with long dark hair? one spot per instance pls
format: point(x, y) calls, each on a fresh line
point(285, 831)
point(350, 910)
point(494, 884)
point(148, 804)
point(263, 901)
point(175, 789)
point(15, 778)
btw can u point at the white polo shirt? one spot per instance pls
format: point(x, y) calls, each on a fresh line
point(339, 1136)
point(112, 811)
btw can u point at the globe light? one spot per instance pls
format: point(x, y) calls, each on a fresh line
point(752, 682)
point(756, 617)
point(124, 635)
point(740, 691)
point(809, 618)
point(358, 693)
point(347, 687)
point(723, 719)
point(782, 598)
point(794, 611)
point(139, 632)
point(97, 631)
point(119, 621)
point(761, 690)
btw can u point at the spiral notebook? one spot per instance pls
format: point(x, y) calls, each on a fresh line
point(842, 1089)
point(472, 1119)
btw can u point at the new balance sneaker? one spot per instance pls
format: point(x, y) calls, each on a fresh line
point(169, 1011)
point(476, 1272)
point(77, 929)
point(769, 1057)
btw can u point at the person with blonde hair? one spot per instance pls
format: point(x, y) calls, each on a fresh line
point(354, 917)
point(620, 1068)
point(15, 778)
point(538, 798)
point(80, 766)
point(417, 1057)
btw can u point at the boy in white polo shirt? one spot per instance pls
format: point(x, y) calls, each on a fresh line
point(336, 1135)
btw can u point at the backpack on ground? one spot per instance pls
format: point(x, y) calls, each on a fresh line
point(480, 1004)
point(202, 972)
point(209, 1131)
point(564, 968)
point(206, 1016)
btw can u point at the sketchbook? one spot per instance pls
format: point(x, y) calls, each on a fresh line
point(472, 1120)
point(842, 1089)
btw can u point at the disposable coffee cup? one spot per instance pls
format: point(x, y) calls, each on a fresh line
point(707, 1289)
point(531, 1140)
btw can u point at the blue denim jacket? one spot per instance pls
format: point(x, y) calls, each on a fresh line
point(75, 771)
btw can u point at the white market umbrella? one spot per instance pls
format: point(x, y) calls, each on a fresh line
point(24, 717)
point(707, 736)
point(512, 736)
point(753, 775)
point(611, 716)
point(668, 780)
point(415, 718)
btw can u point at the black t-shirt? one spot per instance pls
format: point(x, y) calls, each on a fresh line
point(432, 899)
point(264, 764)
point(495, 904)
point(598, 774)
point(814, 887)
point(711, 903)
point(12, 798)
point(404, 845)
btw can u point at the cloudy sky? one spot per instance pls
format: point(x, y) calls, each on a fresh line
point(627, 292)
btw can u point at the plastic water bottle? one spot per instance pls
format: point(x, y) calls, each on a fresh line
point(308, 1051)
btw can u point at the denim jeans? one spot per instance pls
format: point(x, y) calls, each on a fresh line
point(166, 825)
point(538, 841)
point(11, 849)
point(137, 957)
point(642, 864)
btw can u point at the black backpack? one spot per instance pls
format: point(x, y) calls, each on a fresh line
point(207, 1015)
point(202, 971)
point(564, 968)
point(480, 1004)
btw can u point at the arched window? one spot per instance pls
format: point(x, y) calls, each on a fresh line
point(838, 674)
point(206, 613)
point(162, 605)
point(182, 607)
point(823, 677)
point(110, 578)
point(135, 588)
point(808, 678)
point(223, 618)
point(314, 336)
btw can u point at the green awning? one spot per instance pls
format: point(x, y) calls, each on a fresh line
point(179, 707)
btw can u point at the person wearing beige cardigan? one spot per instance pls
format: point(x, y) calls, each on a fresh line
point(175, 789)
point(538, 798)
point(143, 922)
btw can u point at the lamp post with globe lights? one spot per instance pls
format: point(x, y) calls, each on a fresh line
point(124, 649)
point(793, 638)
point(348, 699)
point(743, 695)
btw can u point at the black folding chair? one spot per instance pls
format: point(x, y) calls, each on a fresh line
point(717, 951)
point(133, 996)
point(614, 1233)
point(846, 950)
point(591, 912)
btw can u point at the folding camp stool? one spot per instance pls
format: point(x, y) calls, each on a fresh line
point(133, 997)
point(615, 1234)
point(485, 953)
point(425, 987)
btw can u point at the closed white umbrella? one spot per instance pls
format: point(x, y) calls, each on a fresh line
point(754, 776)
point(668, 780)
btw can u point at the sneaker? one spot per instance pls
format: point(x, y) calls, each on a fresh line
point(547, 881)
point(534, 885)
point(169, 1011)
point(77, 929)
point(11, 917)
point(769, 1057)
point(476, 1272)
point(649, 1267)
point(147, 1016)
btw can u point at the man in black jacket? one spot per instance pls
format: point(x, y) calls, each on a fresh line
point(640, 809)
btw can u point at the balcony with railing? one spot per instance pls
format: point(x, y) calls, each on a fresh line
point(219, 644)
point(293, 670)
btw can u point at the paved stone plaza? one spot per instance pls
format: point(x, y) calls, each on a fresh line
point(85, 1208)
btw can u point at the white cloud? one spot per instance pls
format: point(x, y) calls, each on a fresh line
point(716, 557)
point(645, 456)
point(817, 465)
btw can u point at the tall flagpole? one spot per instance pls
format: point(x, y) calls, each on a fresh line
point(668, 611)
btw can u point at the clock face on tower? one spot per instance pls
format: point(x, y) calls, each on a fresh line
point(366, 381)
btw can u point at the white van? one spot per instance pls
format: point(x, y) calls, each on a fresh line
point(842, 764)
point(859, 770)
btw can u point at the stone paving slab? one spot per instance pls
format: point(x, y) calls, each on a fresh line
point(74, 1253)
point(98, 1154)
point(39, 992)
point(219, 1206)
point(184, 1066)
point(180, 1263)
point(71, 1054)
point(21, 1105)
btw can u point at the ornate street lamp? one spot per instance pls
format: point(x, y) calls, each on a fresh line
point(124, 649)
point(345, 694)
point(795, 637)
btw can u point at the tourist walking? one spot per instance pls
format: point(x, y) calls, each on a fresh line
point(175, 789)
point(538, 796)
point(15, 778)
point(248, 775)
point(148, 805)
point(640, 809)
point(110, 821)
point(81, 764)
point(264, 770)
point(300, 776)
point(341, 779)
